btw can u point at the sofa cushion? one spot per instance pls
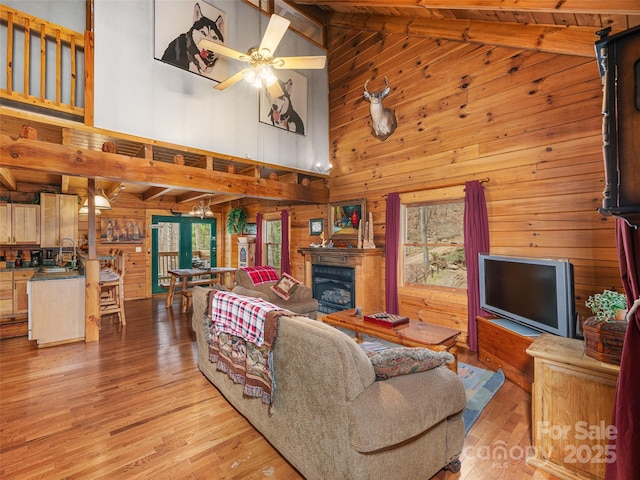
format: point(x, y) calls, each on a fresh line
point(285, 286)
point(392, 362)
point(385, 413)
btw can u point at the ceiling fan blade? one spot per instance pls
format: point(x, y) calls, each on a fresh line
point(222, 50)
point(236, 77)
point(299, 62)
point(275, 90)
point(274, 33)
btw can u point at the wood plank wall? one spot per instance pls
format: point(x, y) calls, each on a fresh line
point(529, 121)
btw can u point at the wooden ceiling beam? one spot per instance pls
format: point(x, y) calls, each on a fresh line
point(64, 184)
point(154, 192)
point(8, 180)
point(567, 40)
point(615, 7)
point(218, 199)
point(191, 196)
point(20, 153)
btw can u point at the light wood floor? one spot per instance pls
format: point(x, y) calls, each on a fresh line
point(134, 405)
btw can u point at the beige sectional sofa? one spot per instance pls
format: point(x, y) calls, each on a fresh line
point(332, 420)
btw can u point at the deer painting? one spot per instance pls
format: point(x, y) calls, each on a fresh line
point(383, 120)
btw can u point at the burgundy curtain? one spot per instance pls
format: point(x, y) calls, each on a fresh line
point(285, 263)
point(392, 239)
point(258, 255)
point(626, 411)
point(476, 240)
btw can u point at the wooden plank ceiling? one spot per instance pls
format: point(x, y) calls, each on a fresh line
point(559, 26)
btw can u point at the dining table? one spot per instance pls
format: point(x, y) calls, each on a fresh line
point(182, 276)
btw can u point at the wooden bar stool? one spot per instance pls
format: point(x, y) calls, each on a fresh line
point(112, 287)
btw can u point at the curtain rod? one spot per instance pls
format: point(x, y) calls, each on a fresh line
point(457, 184)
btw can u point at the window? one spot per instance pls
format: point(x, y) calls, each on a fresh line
point(272, 244)
point(433, 245)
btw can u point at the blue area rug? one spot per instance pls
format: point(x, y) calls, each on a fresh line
point(480, 386)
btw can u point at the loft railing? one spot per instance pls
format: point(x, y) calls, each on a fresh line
point(47, 65)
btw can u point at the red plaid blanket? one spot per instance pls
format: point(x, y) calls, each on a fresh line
point(260, 275)
point(239, 315)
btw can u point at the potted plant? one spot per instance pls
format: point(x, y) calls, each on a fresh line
point(604, 332)
point(237, 220)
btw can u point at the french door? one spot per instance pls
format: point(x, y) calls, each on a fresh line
point(180, 242)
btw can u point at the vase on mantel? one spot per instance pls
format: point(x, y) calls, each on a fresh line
point(604, 339)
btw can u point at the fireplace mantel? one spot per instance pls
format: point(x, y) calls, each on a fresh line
point(366, 263)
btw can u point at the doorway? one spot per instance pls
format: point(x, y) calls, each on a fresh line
point(180, 242)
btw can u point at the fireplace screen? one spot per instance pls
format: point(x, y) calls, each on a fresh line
point(333, 287)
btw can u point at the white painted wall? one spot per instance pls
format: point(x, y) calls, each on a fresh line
point(138, 95)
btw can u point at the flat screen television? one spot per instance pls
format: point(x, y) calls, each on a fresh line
point(534, 292)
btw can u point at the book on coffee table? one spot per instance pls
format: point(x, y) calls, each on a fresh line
point(386, 319)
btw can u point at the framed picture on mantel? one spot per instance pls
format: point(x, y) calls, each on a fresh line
point(345, 217)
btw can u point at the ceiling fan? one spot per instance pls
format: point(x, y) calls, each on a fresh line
point(261, 59)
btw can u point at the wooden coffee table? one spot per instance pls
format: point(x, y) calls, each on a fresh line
point(412, 334)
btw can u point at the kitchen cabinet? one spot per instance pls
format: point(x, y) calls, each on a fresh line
point(58, 219)
point(13, 292)
point(14, 303)
point(6, 293)
point(19, 224)
point(20, 298)
point(54, 322)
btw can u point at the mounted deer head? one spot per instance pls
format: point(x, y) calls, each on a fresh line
point(383, 120)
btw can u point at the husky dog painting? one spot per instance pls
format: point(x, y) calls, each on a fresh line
point(289, 111)
point(182, 48)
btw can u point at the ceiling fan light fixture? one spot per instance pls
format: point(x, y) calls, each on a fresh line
point(265, 53)
point(250, 75)
point(270, 80)
point(264, 71)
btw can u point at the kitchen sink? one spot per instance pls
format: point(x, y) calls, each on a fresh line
point(54, 269)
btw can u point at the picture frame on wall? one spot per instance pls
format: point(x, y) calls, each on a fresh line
point(345, 217)
point(251, 229)
point(316, 226)
point(120, 230)
point(179, 26)
point(288, 112)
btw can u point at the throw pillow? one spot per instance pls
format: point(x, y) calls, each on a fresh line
point(393, 362)
point(285, 286)
point(261, 274)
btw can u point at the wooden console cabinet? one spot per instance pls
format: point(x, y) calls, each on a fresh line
point(572, 408)
point(499, 347)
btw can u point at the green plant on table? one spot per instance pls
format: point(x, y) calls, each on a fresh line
point(606, 305)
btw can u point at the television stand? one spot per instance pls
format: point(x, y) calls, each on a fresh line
point(503, 344)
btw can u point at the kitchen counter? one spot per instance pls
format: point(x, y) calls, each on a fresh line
point(40, 276)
